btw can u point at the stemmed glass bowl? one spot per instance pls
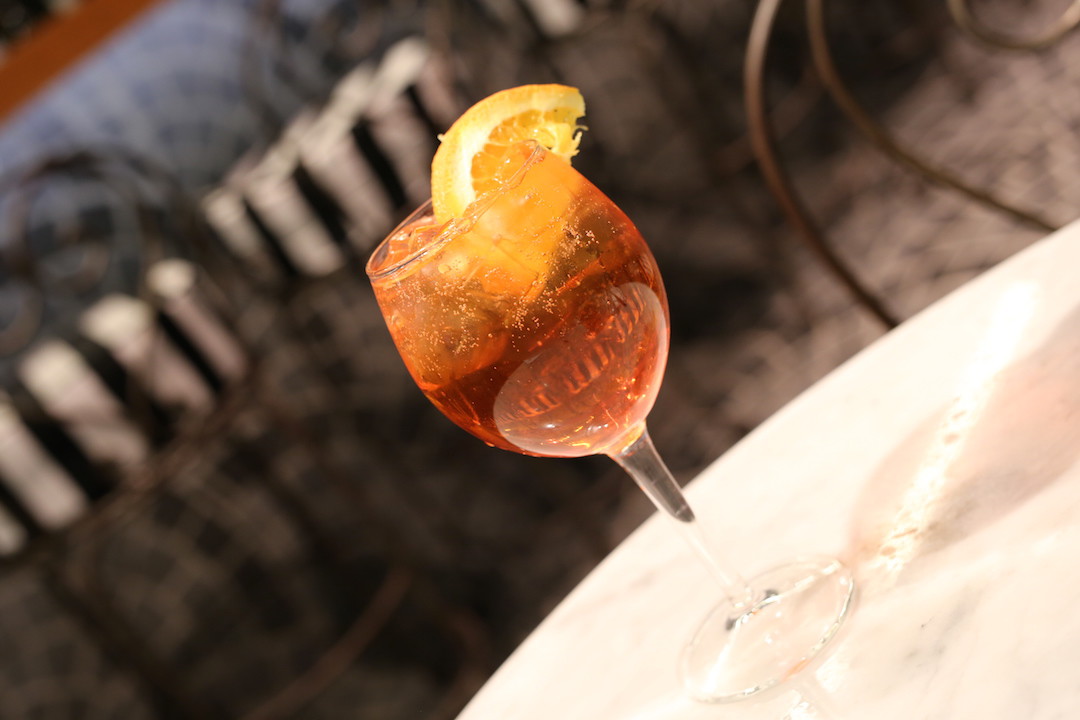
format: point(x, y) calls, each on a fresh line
point(538, 322)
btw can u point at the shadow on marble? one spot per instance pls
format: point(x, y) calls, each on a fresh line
point(1011, 430)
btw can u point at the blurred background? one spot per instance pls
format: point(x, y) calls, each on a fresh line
point(221, 496)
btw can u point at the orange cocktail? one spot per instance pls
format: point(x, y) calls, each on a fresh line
point(532, 314)
point(537, 321)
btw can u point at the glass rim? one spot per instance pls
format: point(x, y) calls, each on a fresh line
point(453, 227)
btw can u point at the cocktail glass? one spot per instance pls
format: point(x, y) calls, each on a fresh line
point(538, 322)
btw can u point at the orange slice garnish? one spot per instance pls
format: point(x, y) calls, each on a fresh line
point(475, 156)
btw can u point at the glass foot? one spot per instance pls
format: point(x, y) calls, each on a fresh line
point(796, 611)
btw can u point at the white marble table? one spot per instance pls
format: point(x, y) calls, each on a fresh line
point(942, 464)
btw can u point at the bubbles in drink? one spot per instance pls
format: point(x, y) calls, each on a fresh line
point(539, 323)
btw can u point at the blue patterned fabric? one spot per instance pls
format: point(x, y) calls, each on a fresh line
point(172, 86)
point(156, 117)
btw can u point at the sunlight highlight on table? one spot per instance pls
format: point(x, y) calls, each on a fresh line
point(1011, 316)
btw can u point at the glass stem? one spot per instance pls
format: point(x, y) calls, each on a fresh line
point(644, 465)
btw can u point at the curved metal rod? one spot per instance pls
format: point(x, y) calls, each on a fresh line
point(788, 113)
point(876, 134)
point(102, 163)
point(967, 21)
point(296, 695)
point(23, 328)
point(93, 266)
point(764, 145)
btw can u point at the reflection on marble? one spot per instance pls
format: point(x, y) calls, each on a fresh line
point(942, 465)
